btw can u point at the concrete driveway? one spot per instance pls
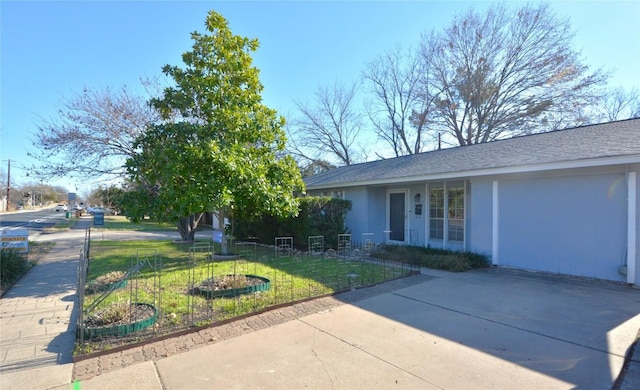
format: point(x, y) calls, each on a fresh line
point(484, 329)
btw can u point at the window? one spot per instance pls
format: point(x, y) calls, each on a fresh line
point(450, 199)
point(436, 213)
point(455, 219)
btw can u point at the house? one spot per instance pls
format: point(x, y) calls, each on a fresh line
point(565, 202)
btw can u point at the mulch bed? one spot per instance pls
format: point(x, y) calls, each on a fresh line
point(130, 314)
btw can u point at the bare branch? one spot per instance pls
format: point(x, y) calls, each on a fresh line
point(93, 133)
point(618, 103)
point(329, 129)
point(506, 73)
point(401, 106)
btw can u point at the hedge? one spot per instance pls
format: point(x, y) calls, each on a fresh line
point(318, 216)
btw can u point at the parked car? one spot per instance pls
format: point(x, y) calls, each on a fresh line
point(105, 211)
point(61, 207)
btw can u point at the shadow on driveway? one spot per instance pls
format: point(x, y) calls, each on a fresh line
point(504, 324)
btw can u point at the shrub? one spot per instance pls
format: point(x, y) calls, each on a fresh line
point(443, 259)
point(13, 264)
point(318, 216)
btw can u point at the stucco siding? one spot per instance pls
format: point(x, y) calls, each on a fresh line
point(356, 218)
point(480, 214)
point(377, 210)
point(570, 225)
point(636, 168)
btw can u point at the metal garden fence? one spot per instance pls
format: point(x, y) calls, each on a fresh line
point(195, 285)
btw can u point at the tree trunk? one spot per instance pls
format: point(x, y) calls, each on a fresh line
point(224, 244)
point(187, 226)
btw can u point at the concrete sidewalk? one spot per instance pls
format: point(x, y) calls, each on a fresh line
point(482, 329)
point(38, 314)
point(37, 320)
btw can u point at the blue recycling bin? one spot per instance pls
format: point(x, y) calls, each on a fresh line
point(98, 218)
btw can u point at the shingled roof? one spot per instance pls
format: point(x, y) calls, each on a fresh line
point(594, 144)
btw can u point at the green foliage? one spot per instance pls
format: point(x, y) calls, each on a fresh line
point(317, 216)
point(13, 264)
point(435, 258)
point(110, 197)
point(219, 147)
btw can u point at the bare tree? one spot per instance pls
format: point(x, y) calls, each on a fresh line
point(618, 103)
point(506, 73)
point(328, 130)
point(401, 105)
point(92, 133)
point(315, 168)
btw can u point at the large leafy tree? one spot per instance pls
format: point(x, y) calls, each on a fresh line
point(506, 72)
point(223, 150)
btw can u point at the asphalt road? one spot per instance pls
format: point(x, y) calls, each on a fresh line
point(33, 220)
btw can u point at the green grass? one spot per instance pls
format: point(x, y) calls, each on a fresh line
point(291, 278)
point(64, 225)
point(120, 222)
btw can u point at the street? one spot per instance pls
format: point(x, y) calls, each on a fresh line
point(33, 220)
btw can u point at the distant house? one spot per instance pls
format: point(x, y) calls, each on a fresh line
point(565, 202)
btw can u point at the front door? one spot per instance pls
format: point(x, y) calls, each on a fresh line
point(397, 216)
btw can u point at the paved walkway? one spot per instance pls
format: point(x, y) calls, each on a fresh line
point(483, 329)
point(87, 369)
point(37, 320)
point(409, 333)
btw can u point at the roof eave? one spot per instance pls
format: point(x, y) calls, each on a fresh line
point(596, 162)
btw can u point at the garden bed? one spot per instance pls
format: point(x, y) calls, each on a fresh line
point(233, 285)
point(119, 320)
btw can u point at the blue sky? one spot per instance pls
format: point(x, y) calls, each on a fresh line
point(52, 49)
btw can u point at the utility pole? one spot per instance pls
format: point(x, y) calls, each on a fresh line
point(8, 183)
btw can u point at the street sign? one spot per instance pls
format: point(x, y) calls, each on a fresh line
point(17, 239)
point(71, 196)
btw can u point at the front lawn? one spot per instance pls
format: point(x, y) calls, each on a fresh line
point(120, 222)
point(169, 275)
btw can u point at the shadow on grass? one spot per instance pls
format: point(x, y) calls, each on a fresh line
point(169, 273)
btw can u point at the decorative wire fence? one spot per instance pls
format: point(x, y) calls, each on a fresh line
point(166, 288)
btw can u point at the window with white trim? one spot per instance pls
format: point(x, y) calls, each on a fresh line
point(446, 213)
point(436, 213)
point(455, 220)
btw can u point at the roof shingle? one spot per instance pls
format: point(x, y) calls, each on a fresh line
point(612, 139)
